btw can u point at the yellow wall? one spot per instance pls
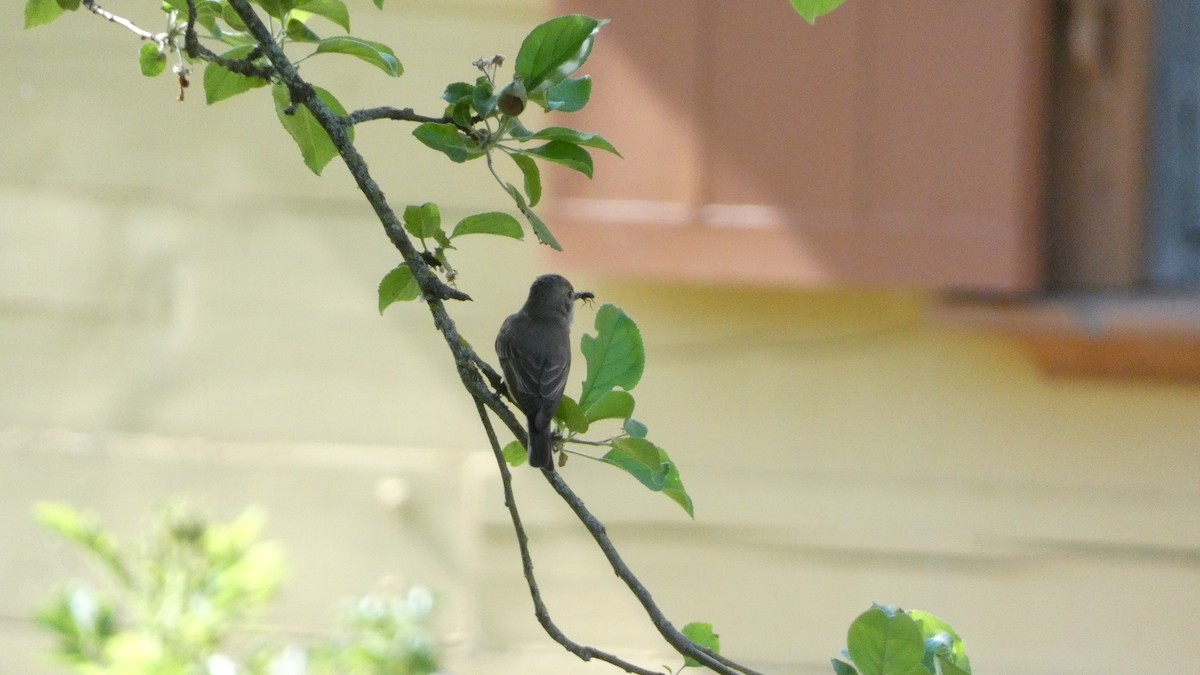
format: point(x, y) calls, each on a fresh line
point(185, 309)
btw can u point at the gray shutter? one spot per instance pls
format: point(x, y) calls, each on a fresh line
point(1174, 194)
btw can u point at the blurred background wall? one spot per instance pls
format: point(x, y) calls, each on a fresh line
point(186, 310)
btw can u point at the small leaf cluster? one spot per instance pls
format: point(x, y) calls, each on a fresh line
point(616, 358)
point(887, 640)
point(294, 23)
point(482, 120)
point(170, 605)
point(483, 117)
point(383, 633)
point(175, 604)
point(424, 223)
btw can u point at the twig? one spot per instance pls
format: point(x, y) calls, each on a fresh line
point(494, 378)
point(195, 50)
point(123, 22)
point(672, 635)
point(539, 607)
point(598, 444)
point(387, 113)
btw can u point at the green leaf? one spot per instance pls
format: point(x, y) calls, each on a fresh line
point(424, 221)
point(542, 230)
point(652, 466)
point(574, 136)
point(85, 530)
point(315, 145)
point(935, 645)
point(207, 12)
point(482, 99)
point(209, 22)
point(334, 10)
point(947, 667)
point(276, 8)
point(41, 12)
point(613, 405)
point(931, 628)
point(460, 113)
point(68, 5)
point(65, 520)
point(374, 53)
point(519, 131)
point(226, 540)
point(567, 154)
point(492, 222)
point(555, 49)
point(297, 31)
point(883, 645)
point(811, 9)
point(570, 95)
point(635, 428)
point(615, 356)
point(571, 415)
point(83, 622)
point(673, 484)
point(398, 286)
point(151, 60)
point(447, 139)
point(181, 6)
point(703, 635)
point(515, 454)
point(533, 176)
point(539, 226)
point(221, 83)
point(231, 17)
point(640, 458)
point(457, 91)
point(443, 244)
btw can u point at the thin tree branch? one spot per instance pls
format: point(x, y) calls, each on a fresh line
point(123, 22)
point(494, 378)
point(672, 635)
point(435, 292)
point(388, 113)
point(539, 606)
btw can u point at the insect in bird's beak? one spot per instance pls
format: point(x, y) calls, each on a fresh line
point(586, 296)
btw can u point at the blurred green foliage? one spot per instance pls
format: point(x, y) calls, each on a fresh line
point(189, 600)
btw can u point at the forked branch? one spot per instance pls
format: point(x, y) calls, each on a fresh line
point(471, 367)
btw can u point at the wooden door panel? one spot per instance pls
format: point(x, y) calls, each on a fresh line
point(892, 144)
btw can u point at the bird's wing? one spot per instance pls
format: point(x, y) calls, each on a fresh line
point(551, 379)
point(536, 380)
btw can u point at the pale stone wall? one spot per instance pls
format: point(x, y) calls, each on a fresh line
point(184, 309)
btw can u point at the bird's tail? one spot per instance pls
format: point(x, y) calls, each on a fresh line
point(539, 447)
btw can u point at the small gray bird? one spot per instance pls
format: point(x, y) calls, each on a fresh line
point(534, 346)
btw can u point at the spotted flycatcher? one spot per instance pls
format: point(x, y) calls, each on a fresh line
point(534, 346)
